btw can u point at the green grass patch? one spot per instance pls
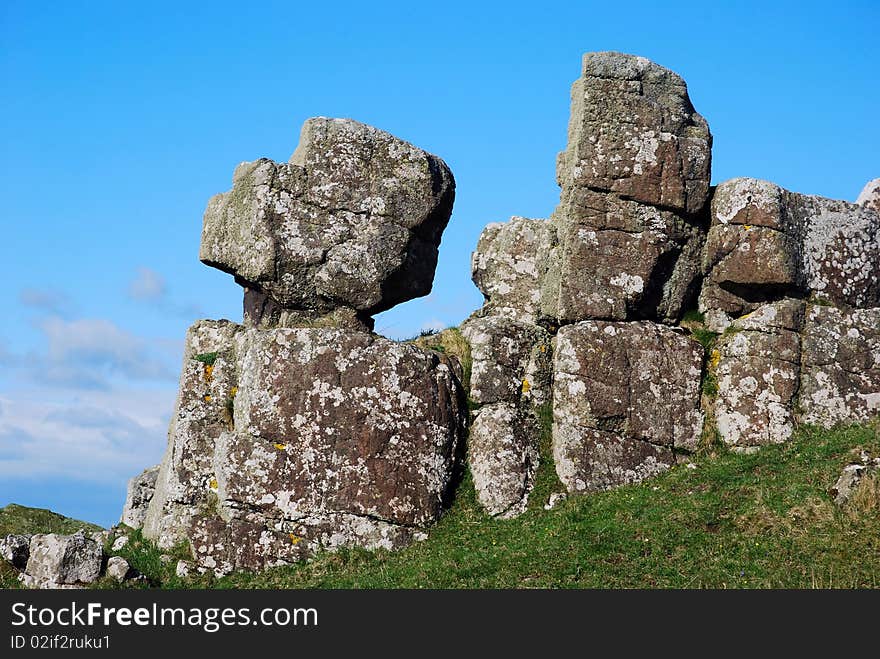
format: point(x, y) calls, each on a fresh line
point(747, 521)
point(21, 519)
point(207, 358)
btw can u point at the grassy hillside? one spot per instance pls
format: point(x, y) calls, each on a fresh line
point(21, 519)
point(736, 521)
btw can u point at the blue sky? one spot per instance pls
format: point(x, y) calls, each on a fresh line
point(120, 120)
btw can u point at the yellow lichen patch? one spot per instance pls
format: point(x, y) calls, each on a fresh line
point(526, 386)
point(209, 372)
point(543, 348)
point(747, 226)
point(714, 358)
point(280, 446)
point(208, 399)
point(213, 484)
point(233, 391)
point(294, 538)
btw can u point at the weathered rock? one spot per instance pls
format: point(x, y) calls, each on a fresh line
point(183, 569)
point(766, 243)
point(140, 492)
point(847, 483)
point(119, 543)
point(870, 195)
point(509, 267)
point(757, 366)
point(334, 438)
point(840, 380)
point(63, 560)
point(625, 395)
point(634, 132)
point(203, 411)
point(503, 457)
point(620, 260)
point(15, 549)
point(353, 221)
point(119, 569)
point(511, 361)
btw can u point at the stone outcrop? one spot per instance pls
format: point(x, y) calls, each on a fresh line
point(300, 429)
point(138, 497)
point(15, 549)
point(625, 396)
point(766, 243)
point(347, 228)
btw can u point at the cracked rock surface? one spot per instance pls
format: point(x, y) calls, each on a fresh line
point(299, 439)
point(352, 221)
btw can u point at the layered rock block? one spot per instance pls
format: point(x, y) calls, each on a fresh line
point(625, 397)
point(297, 439)
point(766, 243)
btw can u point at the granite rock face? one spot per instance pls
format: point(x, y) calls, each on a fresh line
point(757, 366)
point(625, 395)
point(137, 500)
point(353, 221)
point(840, 379)
point(503, 457)
point(766, 243)
point(634, 132)
point(299, 439)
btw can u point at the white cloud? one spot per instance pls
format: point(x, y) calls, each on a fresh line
point(148, 285)
point(53, 301)
point(89, 351)
point(97, 436)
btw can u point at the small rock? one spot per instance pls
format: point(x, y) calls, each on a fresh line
point(119, 543)
point(118, 568)
point(101, 537)
point(555, 499)
point(166, 558)
point(870, 195)
point(15, 549)
point(183, 569)
point(57, 560)
point(850, 478)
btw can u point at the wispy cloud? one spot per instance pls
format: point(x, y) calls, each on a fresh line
point(149, 287)
point(87, 352)
point(97, 437)
point(48, 300)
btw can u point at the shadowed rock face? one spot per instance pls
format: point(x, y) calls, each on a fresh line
point(766, 243)
point(137, 500)
point(624, 396)
point(296, 439)
point(353, 221)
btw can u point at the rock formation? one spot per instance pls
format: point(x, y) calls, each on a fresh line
point(638, 238)
point(299, 429)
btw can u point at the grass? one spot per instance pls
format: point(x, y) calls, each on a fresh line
point(736, 521)
point(448, 342)
point(15, 519)
point(21, 519)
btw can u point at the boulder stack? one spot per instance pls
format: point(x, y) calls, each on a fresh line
point(300, 429)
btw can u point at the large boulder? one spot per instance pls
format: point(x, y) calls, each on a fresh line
point(840, 380)
point(766, 243)
point(757, 367)
point(352, 221)
point(63, 560)
point(138, 497)
point(15, 548)
point(321, 438)
point(634, 132)
point(625, 397)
